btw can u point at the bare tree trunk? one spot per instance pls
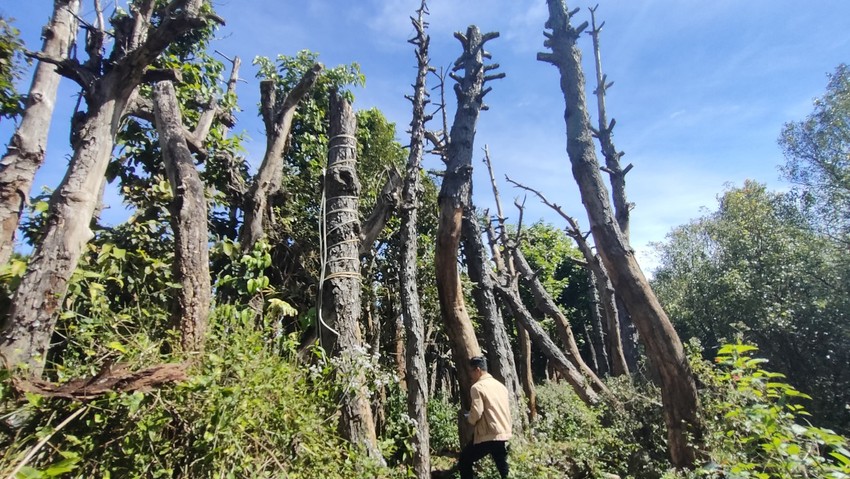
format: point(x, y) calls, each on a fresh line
point(500, 356)
point(678, 390)
point(454, 199)
point(617, 177)
point(26, 150)
point(525, 376)
point(596, 332)
point(544, 302)
point(342, 285)
point(26, 336)
point(188, 220)
point(416, 372)
point(268, 180)
point(545, 344)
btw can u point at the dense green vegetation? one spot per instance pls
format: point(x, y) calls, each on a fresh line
point(761, 285)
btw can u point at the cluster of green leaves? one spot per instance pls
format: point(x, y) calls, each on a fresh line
point(756, 425)
point(11, 48)
point(755, 267)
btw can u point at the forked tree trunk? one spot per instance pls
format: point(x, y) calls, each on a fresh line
point(269, 178)
point(342, 286)
point(454, 200)
point(678, 390)
point(188, 221)
point(26, 150)
point(416, 372)
point(31, 319)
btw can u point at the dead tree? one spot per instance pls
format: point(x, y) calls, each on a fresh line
point(455, 201)
point(26, 150)
point(341, 282)
point(277, 118)
point(617, 178)
point(416, 372)
point(188, 221)
point(678, 390)
point(138, 42)
point(608, 301)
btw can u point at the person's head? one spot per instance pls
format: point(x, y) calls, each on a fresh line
point(477, 366)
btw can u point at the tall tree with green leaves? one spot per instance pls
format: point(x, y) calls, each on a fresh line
point(817, 152)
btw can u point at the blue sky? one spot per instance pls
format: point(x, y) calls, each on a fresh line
point(702, 88)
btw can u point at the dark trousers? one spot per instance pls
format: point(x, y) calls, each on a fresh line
point(498, 450)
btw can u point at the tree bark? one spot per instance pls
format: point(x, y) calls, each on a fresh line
point(188, 221)
point(596, 333)
point(31, 319)
point(678, 390)
point(416, 372)
point(453, 200)
point(545, 344)
point(342, 284)
point(544, 302)
point(269, 177)
point(26, 150)
point(525, 375)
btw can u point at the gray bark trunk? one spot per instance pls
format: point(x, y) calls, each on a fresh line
point(26, 336)
point(342, 284)
point(188, 220)
point(26, 150)
point(269, 177)
point(454, 199)
point(678, 390)
point(525, 375)
point(547, 306)
point(596, 332)
point(416, 372)
point(545, 344)
point(500, 356)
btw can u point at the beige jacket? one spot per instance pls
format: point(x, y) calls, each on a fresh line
point(491, 410)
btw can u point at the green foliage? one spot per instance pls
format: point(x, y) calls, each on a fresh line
point(756, 424)
point(246, 411)
point(442, 424)
point(754, 267)
point(817, 152)
point(11, 48)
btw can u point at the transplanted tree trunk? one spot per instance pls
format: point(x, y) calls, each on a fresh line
point(678, 390)
point(26, 336)
point(277, 117)
point(416, 377)
point(454, 201)
point(188, 221)
point(26, 150)
point(341, 287)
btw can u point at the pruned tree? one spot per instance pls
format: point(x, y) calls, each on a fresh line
point(27, 148)
point(188, 221)
point(277, 117)
point(617, 178)
point(341, 282)
point(108, 85)
point(455, 202)
point(416, 372)
point(678, 390)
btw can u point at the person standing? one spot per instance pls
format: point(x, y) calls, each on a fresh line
point(490, 416)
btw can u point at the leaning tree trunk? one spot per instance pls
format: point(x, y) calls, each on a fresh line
point(544, 302)
point(416, 372)
point(525, 376)
point(188, 221)
point(500, 355)
point(454, 200)
point(545, 345)
point(26, 336)
point(342, 285)
point(678, 390)
point(26, 149)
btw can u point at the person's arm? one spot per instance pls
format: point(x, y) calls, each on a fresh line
point(477, 407)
